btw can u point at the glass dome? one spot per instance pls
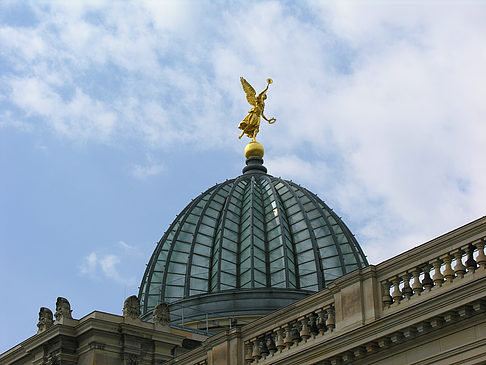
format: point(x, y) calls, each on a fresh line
point(254, 238)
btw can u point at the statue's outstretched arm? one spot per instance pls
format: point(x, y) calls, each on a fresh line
point(271, 120)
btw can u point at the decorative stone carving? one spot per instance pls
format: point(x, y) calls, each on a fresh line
point(132, 359)
point(63, 309)
point(161, 314)
point(131, 307)
point(51, 359)
point(45, 319)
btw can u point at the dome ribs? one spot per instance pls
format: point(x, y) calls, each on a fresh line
point(351, 240)
point(252, 234)
point(268, 281)
point(258, 238)
point(242, 270)
point(187, 285)
point(358, 252)
point(246, 236)
point(331, 229)
point(149, 271)
point(216, 286)
point(319, 270)
point(280, 210)
point(174, 241)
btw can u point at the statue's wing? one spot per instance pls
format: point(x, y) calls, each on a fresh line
point(249, 90)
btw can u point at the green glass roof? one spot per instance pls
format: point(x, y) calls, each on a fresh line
point(255, 231)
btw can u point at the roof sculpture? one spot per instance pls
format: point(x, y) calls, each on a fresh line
point(251, 124)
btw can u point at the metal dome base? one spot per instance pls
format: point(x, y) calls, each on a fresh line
point(231, 304)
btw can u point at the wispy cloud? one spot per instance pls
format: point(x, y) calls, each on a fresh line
point(144, 172)
point(17, 124)
point(89, 264)
point(81, 117)
point(380, 108)
point(126, 246)
point(107, 265)
point(131, 250)
point(10, 120)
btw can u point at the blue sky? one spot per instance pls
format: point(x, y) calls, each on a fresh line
point(114, 115)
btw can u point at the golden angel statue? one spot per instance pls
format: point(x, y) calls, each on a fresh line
point(251, 124)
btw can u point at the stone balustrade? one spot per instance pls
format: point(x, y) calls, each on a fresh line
point(445, 268)
point(291, 334)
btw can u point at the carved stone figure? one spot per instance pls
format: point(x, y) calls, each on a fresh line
point(63, 309)
point(161, 314)
point(251, 124)
point(45, 319)
point(131, 307)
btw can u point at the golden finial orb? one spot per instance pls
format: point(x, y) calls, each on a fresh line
point(254, 149)
point(269, 81)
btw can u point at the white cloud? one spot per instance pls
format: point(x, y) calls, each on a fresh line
point(107, 265)
point(89, 264)
point(131, 250)
point(81, 117)
point(379, 106)
point(126, 246)
point(144, 172)
point(8, 121)
point(299, 169)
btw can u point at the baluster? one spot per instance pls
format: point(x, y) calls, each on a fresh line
point(427, 282)
point(295, 333)
point(280, 341)
point(314, 330)
point(387, 299)
point(397, 294)
point(438, 278)
point(331, 321)
point(248, 353)
point(459, 268)
point(271, 344)
point(304, 332)
point(322, 321)
point(470, 262)
point(417, 285)
point(288, 339)
point(256, 349)
point(263, 348)
point(481, 258)
point(407, 291)
point(449, 274)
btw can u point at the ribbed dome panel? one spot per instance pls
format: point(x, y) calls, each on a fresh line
point(255, 231)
